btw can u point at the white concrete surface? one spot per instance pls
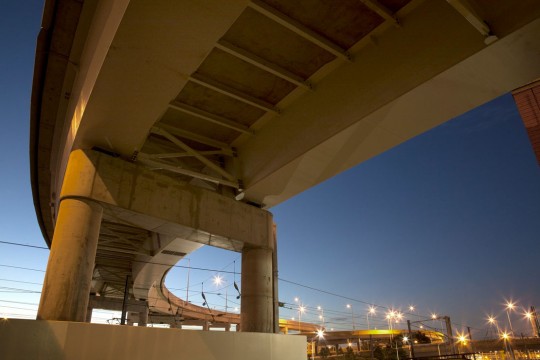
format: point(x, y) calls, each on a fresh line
point(32, 339)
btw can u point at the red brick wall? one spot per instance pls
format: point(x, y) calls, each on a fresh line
point(527, 100)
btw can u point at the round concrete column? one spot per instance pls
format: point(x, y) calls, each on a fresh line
point(143, 317)
point(71, 261)
point(257, 313)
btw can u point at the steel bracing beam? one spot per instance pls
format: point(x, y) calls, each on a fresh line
point(188, 149)
point(262, 64)
point(382, 10)
point(196, 137)
point(144, 159)
point(463, 7)
point(185, 154)
point(213, 118)
point(299, 29)
point(233, 93)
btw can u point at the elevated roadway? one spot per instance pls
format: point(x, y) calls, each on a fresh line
point(161, 127)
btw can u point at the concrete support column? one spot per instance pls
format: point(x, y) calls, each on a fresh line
point(71, 261)
point(143, 317)
point(89, 311)
point(257, 313)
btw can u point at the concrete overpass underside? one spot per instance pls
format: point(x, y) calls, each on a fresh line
point(159, 127)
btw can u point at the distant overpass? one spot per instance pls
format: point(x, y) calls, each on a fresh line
point(159, 127)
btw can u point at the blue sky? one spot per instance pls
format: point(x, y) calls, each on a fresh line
point(448, 221)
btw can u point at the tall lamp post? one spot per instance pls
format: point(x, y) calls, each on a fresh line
point(510, 305)
point(507, 346)
point(301, 310)
point(349, 306)
point(493, 322)
point(371, 312)
point(321, 316)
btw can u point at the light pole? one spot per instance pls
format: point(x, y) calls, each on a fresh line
point(301, 310)
point(462, 340)
point(510, 305)
point(349, 306)
point(391, 315)
point(372, 312)
point(321, 316)
point(493, 322)
point(507, 347)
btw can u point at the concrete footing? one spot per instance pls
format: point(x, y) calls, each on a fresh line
point(35, 339)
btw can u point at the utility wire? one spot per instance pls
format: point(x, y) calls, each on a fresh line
point(218, 271)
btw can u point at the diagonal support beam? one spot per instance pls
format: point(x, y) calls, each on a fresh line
point(185, 154)
point(146, 160)
point(299, 29)
point(262, 64)
point(213, 118)
point(382, 10)
point(196, 137)
point(463, 7)
point(233, 93)
point(188, 149)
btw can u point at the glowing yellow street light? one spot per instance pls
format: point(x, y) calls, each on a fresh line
point(411, 307)
point(462, 338)
point(434, 316)
point(320, 333)
point(510, 305)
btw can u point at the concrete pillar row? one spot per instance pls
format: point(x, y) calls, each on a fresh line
point(71, 261)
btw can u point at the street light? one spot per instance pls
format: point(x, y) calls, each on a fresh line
point(510, 305)
point(321, 315)
point(349, 306)
point(301, 310)
point(507, 347)
point(372, 312)
point(462, 340)
point(493, 322)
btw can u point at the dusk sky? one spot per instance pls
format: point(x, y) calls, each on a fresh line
point(448, 222)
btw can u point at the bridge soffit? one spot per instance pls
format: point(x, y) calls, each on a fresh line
point(286, 69)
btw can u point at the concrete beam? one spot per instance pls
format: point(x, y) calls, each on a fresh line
point(161, 204)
